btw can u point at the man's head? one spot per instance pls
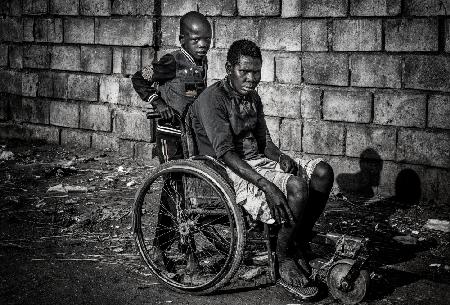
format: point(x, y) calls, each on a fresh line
point(243, 66)
point(195, 34)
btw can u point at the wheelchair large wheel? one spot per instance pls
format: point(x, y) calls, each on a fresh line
point(188, 228)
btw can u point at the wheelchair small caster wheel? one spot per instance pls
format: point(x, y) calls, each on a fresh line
point(348, 292)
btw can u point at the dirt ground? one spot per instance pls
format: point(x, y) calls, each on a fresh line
point(76, 247)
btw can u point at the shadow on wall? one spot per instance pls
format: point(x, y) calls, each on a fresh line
point(407, 184)
point(361, 183)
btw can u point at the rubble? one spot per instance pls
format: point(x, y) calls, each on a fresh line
point(6, 155)
point(438, 225)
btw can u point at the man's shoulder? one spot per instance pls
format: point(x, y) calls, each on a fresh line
point(214, 91)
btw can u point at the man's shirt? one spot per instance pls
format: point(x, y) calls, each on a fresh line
point(224, 120)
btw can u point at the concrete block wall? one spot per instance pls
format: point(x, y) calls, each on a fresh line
point(362, 83)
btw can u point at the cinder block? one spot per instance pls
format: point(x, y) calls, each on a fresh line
point(103, 141)
point(28, 28)
point(79, 30)
point(35, 7)
point(427, 72)
point(291, 8)
point(273, 125)
point(288, 68)
point(447, 36)
point(323, 138)
point(170, 30)
point(411, 35)
point(216, 63)
point(325, 68)
point(4, 109)
point(324, 8)
point(373, 70)
point(128, 96)
point(400, 109)
point(348, 106)
point(11, 29)
point(82, 87)
point(144, 151)
point(48, 30)
point(281, 34)
point(36, 111)
point(132, 7)
point(14, 111)
point(11, 82)
point(217, 7)
point(268, 66)
point(375, 7)
point(96, 59)
point(426, 7)
point(314, 35)
point(64, 7)
point(258, 8)
point(15, 56)
point(357, 35)
point(60, 85)
point(177, 8)
point(126, 148)
point(95, 7)
point(78, 138)
point(109, 89)
point(11, 8)
point(45, 84)
point(3, 55)
point(291, 135)
point(131, 60)
point(49, 134)
point(29, 83)
point(133, 125)
point(36, 56)
point(227, 30)
point(310, 102)
point(117, 59)
point(95, 117)
point(124, 31)
point(424, 147)
point(147, 56)
point(280, 100)
point(64, 114)
point(380, 139)
point(439, 111)
point(66, 58)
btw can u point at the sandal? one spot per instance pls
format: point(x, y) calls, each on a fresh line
point(303, 293)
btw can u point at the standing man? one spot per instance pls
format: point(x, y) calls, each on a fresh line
point(169, 85)
point(229, 124)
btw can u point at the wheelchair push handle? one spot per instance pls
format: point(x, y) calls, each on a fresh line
point(153, 115)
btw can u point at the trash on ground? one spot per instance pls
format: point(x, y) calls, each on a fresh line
point(76, 189)
point(438, 225)
point(252, 273)
point(57, 188)
point(6, 155)
point(131, 183)
point(405, 239)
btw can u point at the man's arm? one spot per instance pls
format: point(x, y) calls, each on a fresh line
point(275, 198)
point(145, 83)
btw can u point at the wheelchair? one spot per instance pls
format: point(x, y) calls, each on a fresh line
point(192, 234)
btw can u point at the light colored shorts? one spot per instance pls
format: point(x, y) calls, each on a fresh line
point(252, 198)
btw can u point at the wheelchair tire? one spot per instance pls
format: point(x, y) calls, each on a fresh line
point(199, 246)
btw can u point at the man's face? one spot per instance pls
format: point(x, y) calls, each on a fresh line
point(196, 40)
point(245, 75)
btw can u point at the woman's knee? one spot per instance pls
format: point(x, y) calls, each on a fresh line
point(297, 189)
point(322, 177)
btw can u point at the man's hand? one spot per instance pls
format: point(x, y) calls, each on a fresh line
point(164, 110)
point(277, 202)
point(287, 164)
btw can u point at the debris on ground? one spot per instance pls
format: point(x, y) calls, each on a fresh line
point(438, 225)
point(252, 273)
point(6, 155)
point(406, 239)
point(57, 189)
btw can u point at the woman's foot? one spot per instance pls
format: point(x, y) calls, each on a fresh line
point(291, 274)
